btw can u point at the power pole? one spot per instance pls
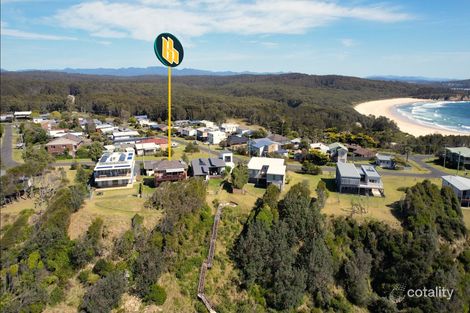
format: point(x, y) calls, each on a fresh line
point(445, 155)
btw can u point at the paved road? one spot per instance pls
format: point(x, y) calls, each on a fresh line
point(7, 150)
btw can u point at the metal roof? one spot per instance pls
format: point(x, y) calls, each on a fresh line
point(384, 157)
point(348, 170)
point(370, 171)
point(463, 151)
point(459, 182)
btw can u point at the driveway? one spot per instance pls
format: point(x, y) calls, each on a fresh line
point(7, 149)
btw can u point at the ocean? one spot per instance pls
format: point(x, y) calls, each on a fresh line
point(450, 115)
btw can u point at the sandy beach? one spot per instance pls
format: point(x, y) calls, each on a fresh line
point(388, 107)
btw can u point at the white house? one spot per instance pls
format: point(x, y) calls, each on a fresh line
point(216, 137)
point(22, 114)
point(125, 134)
point(115, 169)
point(207, 123)
point(227, 157)
point(264, 171)
point(338, 152)
point(188, 132)
point(319, 146)
point(243, 130)
point(228, 128)
point(461, 187)
point(146, 148)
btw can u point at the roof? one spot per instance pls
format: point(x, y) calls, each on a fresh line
point(125, 133)
point(157, 141)
point(145, 145)
point(115, 160)
point(463, 151)
point(72, 137)
point(383, 157)
point(459, 182)
point(337, 145)
point(165, 165)
point(236, 140)
point(261, 142)
point(278, 138)
point(348, 170)
point(370, 171)
point(23, 113)
point(363, 151)
point(61, 141)
point(275, 166)
point(201, 166)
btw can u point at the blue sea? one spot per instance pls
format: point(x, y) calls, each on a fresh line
point(450, 115)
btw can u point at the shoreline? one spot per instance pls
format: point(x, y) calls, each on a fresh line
point(388, 108)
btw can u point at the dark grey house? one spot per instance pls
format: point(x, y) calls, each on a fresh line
point(207, 167)
point(361, 180)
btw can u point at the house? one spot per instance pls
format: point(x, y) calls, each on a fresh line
point(22, 114)
point(338, 152)
point(279, 139)
point(216, 137)
point(125, 134)
point(188, 132)
point(207, 167)
point(296, 142)
point(146, 148)
point(181, 123)
point(243, 131)
point(458, 156)
point(384, 161)
point(361, 180)
point(235, 142)
point(160, 143)
point(461, 187)
point(229, 128)
point(6, 117)
point(141, 117)
point(202, 133)
point(166, 170)
point(227, 157)
point(262, 146)
point(206, 123)
point(265, 171)
point(68, 143)
point(360, 152)
point(115, 169)
point(320, 146)
point(56, 133)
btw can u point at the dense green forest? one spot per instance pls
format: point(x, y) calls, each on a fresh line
point(288, 250)
point(297, 101)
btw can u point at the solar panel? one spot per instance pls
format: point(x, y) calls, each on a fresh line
point(122, 157)
point(103, 158)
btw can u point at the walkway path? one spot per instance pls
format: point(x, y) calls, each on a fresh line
point(207, 264)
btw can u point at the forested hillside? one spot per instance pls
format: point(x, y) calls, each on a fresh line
point(300, 102)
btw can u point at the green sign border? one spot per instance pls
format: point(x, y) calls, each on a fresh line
point(157, 48)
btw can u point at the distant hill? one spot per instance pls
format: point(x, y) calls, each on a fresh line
point(410, 79)
point(144, 71)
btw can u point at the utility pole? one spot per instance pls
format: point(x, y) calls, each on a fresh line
point(445, 155)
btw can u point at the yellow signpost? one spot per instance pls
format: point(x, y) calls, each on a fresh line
point(170, 52)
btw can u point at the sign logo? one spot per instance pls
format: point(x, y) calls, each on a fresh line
point(168, 50)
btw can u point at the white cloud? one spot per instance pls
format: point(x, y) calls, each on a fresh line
point(16, 33)
point(143, 20)
point(348, 42)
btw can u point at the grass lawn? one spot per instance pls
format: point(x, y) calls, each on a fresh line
point(466, 217)
point(379, 208)
point(17, 154)
point(432, 162)
point(116, 207)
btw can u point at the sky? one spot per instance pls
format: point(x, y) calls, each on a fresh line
point(356, 37)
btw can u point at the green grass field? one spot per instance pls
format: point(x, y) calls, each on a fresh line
point(116, 207)
point(450, 171)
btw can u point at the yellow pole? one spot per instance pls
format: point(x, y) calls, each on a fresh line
point(169, 113)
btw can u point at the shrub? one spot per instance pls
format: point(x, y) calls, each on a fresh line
point(57, 295)
point(103, 267)
point(157, 295)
